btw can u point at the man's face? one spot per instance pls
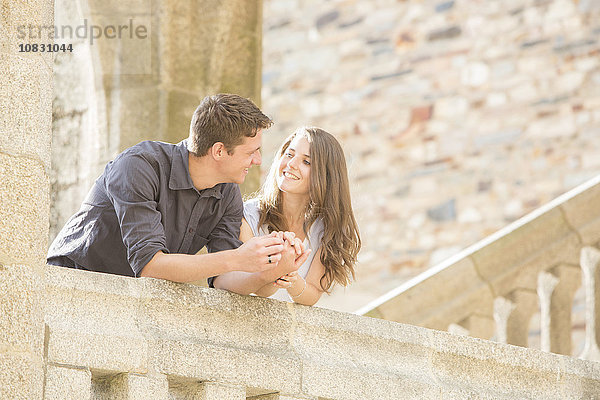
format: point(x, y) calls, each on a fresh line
point(242, 157)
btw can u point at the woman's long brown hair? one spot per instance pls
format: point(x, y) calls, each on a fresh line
point(329, 194)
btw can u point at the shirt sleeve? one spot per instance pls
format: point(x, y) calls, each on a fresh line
point(226, 235)
point(132, 186)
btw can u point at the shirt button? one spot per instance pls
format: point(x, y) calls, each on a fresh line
point(191, 230)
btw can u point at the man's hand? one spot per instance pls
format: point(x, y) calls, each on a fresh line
point(256, 253)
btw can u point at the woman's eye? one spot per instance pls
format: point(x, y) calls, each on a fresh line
point(289, 155)
point(306, 162)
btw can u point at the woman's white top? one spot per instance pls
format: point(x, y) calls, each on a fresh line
point(312, 241)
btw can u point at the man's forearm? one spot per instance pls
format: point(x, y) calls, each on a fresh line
point(190, 268)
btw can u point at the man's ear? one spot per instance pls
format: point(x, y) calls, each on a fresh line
point(218, 150)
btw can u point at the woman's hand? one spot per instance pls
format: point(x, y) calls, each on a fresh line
point(287, 260)
point(288, 280)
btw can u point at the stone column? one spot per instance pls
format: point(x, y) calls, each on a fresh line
point(556, 290)
point(512, 315)
point(25, 136)
point(205, 47)
point(590, 266)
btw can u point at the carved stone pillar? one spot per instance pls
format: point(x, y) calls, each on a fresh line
point(557, 290)
point(512, 314)
point(25, 136)
point(590, 262)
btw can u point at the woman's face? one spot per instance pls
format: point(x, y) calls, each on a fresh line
point(293, 175)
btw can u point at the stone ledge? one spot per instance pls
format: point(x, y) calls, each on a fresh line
point(279, 347)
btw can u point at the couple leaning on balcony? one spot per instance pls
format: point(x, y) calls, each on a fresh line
point(157, 205)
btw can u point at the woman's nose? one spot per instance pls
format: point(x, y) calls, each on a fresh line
point(293, 162)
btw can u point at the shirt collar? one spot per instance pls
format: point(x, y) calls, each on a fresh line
point(180, 178)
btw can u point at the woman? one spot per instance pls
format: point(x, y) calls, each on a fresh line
point(306, 193)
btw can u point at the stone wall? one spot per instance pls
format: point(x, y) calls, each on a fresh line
point(25, 133)
point(154, 339)
point(457, 117)
point(113, 93)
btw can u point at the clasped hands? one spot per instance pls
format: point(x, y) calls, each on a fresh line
point(292, 257)
point(276, 256)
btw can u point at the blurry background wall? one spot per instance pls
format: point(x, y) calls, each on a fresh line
point(457, 117)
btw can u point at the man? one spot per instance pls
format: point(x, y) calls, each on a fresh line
point(157, 204)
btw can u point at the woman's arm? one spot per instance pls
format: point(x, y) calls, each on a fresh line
point(243, 282)
point(305, 291)
point(249, 282)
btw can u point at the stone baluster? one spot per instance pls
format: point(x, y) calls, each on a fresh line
point(512, 314)
point(556, 290)
point(590, 262)
point(479, 326)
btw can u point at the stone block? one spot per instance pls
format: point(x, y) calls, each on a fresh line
point(17, 18)
point(24, 208)
point(131, 387)
point(277, 396)
point(495, 370)
point(117, 352)
point(207, 362)
point(144, 120)
point(180, 108)
point(67, 383)
point(219, 391)
point(21, 375)
point(343, 347)
point(26, 104)
point(349, 384)
point(21, 317)
point(185, 312)
point(125, 44)
point(228, 59)
point(91, 320)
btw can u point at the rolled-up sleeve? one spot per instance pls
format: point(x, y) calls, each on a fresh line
point(226, 234)
point(132, 186)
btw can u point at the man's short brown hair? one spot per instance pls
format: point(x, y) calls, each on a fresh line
point(225, 118)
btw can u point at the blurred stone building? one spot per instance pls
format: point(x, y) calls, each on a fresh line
point(457, 117)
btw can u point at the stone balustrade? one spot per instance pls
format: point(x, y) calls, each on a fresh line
point(112, 337)
point(492, 289)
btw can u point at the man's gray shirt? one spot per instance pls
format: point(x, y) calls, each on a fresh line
point(145, 202)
